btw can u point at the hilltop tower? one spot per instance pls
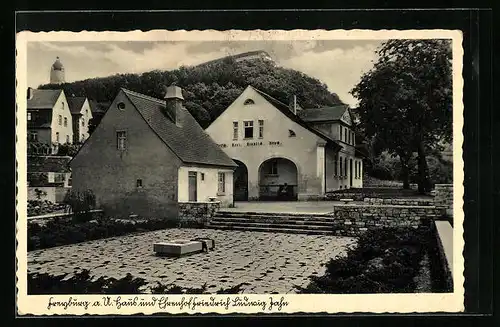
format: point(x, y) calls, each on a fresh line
point(57, 72)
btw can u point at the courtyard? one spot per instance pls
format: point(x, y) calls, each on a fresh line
point(263, 262)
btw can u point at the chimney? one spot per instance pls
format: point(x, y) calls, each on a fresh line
point(30, 93)
point(173, 104)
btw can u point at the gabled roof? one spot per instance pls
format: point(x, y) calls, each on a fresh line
point(323, 114)
point(45, 164)
point(75, 104)
point(287, 112)
point(98, 107)
point(43, 99)
point(189, 142)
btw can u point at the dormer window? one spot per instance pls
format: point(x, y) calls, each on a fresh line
point(248, 101)
point(291, 133)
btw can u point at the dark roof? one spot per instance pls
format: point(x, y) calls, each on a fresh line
point(286, 110)
point(98, 107)
point(43, 99)
point(323, 114)
point(189, 142)
point(75, 104)
point(45, 164)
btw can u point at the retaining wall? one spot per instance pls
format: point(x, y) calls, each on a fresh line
point(43, 219)
point(444, 197)
point(401, 202)
point(355, 219)
point(197, 212)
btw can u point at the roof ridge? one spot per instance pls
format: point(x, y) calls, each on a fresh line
point(140, 95)
point(268, 95)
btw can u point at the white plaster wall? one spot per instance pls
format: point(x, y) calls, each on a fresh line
point(205, 188)
point(86, 116)
point(302, 149)
point(63, 110)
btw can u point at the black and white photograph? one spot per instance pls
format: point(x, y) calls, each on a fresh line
point(239, 171)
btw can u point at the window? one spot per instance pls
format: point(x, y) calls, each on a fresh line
point(248, 101)
point(121, 105)
point(261, 128)
point(340, 128)
point(291, 133)
point(348, 137)
point(345, 134)
point(59, 177)
point(340, 170)
point(65, 121)
point(57, 136)
point(345, 166)
point(355, 169)
point(249, 129)
point(121, 138)
point(202, 176)
point(221, 187)
point(86, 112)
point(62, 103)
point(235, 130)
point(272, 167)
point(353, 136)
point(138, 183)
point(60, 120)
point(29, 115)
point(67, 138)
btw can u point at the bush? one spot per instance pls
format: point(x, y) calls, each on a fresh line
point(384, 261)
point(83, 283)
point(80, 203)
point(57, 232)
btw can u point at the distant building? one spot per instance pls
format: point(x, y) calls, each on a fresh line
point(284, 152)
point(57, 72)
point(49, 178)
point(49, 120)
point(251, 55)
point(151, 154)
point(82, 114)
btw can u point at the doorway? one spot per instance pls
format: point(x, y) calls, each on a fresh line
point(240, 182)
point(193, 186)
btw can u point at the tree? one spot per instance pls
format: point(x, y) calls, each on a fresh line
point(406, 100)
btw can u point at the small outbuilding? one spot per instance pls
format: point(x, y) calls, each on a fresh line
point(147, 155)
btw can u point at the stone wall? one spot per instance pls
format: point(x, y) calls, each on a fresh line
point(44, 219)
point(354, 219)
point(358, 196)
point(197, 212)
point(400, 202)
point(444, 197)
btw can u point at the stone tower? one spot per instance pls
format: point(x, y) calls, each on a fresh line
point(57, 72)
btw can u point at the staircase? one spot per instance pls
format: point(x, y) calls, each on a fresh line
point(296, 223)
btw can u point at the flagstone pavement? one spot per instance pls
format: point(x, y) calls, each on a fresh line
point(265, 262)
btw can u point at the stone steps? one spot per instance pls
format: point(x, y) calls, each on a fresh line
point(277, 229)
point(297, 223)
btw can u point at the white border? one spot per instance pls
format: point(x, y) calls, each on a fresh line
point(373, 303)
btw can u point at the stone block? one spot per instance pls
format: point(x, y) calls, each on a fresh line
point(180, 247)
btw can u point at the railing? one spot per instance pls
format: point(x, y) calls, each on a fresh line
point(278, 192)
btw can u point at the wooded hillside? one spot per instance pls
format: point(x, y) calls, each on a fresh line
point(210, 89)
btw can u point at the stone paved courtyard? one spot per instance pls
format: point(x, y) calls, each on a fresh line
point(267, 262)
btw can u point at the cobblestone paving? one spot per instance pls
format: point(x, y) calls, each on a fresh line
point(266, 262)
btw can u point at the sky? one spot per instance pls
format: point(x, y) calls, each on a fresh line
point(337, 63)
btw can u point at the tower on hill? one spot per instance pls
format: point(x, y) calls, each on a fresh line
point(57, 72)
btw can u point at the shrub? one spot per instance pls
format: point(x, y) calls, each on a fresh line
point(83, 283)
point(384, 261)
point(80, 203)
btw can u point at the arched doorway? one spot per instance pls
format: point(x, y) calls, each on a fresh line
point(278, 180)
point(240, 182)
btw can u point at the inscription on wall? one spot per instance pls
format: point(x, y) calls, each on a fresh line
point(258, 143)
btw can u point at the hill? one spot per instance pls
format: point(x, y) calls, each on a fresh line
point(210, 89)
